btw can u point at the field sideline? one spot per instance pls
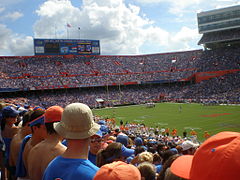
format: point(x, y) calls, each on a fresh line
point(201, 118)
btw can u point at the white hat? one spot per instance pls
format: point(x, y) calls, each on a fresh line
point(77, 122)
point(188, 144)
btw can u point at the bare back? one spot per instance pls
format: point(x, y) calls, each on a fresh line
point(26, 151)
point(14, 149)
point(41, 155)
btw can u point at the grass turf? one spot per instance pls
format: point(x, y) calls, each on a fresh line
point(201, 118)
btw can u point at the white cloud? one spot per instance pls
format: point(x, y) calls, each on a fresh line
point(118, 27)
point(13, 16)
point(14, 44)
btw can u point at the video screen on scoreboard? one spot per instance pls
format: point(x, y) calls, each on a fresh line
point(51, 48)
point(66, 47)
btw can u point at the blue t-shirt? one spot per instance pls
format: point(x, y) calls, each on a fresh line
point(92, 158)
point(67, 169)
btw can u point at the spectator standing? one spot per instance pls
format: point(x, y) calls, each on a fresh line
point(96, 144)
point(8, 129)
point(17, 141)
point(38, 134)
point(50, 147)
point(77, 126)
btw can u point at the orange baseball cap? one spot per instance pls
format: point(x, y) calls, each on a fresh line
point(53, 114)
point(118, 170)
point(217, 158)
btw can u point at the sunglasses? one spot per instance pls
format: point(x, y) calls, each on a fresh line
point(96, 140)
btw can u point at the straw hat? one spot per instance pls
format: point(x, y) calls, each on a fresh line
point(77, 122)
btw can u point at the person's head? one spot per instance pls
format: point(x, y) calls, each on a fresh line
point(147, 170)
point(118, 170)
point(77, 122)
point(96, 142)
point(157, 158)
point(139, 149)
point(26, 118)
point(52, 115)
point(167, 165)
point(113, 152)
point(37, 124)
point(217, 158)
point(188, 147)
point(145, 157)
point(138, 141)
point(9, 116)
point(170, 176)
point(123, 139)
point(165, 155)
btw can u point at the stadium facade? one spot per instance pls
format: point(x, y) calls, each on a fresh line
point(220, 27)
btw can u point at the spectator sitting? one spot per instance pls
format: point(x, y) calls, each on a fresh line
point(147, 170)
point(217, 158)
point(166, 166)
point(113, 152)
point(143, 157)
point(96, 143)
point(118, 170)
point(188, 147)
point(77, 126)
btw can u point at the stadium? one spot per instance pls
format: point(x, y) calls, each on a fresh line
point(69, 70)
point(68, 107)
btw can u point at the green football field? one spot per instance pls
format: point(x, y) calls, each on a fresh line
point(201, 118)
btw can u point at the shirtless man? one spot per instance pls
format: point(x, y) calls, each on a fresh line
point(17, 141)
point(50, 147)
point(38, 134)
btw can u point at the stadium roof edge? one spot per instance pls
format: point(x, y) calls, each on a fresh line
point(214, 11)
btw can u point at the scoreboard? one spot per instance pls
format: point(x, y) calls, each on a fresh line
point(66, 47)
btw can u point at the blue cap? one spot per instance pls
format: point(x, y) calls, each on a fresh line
point(174, 150)
point(104, 129)
point(38, 108)
point(101, 122)
point(126, 152)
point(26, 106)
point(38, 120)
point(138, 141)
point(9, 111)
point(99, 133)
point(123, 139)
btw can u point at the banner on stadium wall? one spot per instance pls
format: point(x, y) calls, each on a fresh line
point(200, 76)
point(160, 81)
point(9, 89)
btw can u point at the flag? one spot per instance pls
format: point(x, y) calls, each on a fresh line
point(69, 25)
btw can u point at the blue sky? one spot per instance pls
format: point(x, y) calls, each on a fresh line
point(123, 26)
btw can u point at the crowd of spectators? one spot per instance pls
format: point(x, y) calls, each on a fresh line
point(220, 36)
point(85, 146)
point(86, 72)
point(223, 89)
